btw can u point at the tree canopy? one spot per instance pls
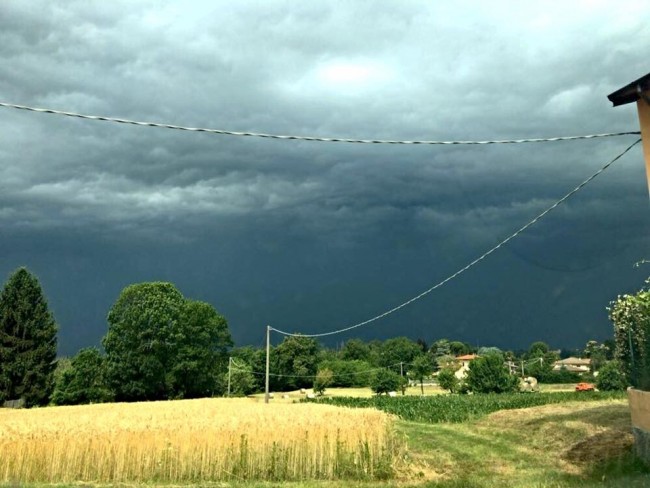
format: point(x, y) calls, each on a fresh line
point(488, 374)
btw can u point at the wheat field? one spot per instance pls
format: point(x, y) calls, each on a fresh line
point(194, 440)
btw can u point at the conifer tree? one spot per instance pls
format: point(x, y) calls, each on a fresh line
point(27, 341)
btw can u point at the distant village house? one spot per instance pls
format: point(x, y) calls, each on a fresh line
point(464, 365)
point(574, 365)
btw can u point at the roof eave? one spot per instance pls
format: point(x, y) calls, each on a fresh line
point(631, 92)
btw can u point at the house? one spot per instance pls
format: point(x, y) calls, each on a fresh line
point(575, 365)
point(464, 365)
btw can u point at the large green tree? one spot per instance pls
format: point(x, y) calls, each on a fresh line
point(159, 345)
point(27, 341)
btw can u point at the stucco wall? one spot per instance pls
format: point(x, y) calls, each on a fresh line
point(640, 410)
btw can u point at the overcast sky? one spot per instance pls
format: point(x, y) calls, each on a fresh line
point(309, 236)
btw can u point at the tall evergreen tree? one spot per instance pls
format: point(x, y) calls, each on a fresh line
point(27, 341)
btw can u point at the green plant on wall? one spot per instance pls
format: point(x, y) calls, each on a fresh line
point(630, 315)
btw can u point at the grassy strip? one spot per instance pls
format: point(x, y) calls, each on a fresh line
point(461, 408)
point(570, 445)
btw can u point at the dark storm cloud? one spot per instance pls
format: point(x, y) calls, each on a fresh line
point(313, 235)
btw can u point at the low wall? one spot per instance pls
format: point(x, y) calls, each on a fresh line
point(640, 410)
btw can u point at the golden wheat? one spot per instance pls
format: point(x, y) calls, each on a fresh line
point(193, 440)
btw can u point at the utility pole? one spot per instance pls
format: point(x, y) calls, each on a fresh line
point(229, 365)
point(268, 353)
point(401, 373)
point(522, 368)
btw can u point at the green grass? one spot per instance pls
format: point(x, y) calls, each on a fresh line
point(563, 446)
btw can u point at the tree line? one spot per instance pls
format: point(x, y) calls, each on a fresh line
point(162, 345)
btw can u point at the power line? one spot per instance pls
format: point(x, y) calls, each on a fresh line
point(472, 263)
point(336, 375)
point(306, 138)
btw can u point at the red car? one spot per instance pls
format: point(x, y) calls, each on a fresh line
point(585, 387)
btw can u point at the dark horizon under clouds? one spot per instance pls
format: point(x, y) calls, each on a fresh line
point(309, 236)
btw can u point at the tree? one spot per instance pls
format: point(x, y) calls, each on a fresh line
point(597, 353)
point(296, 362)
point(448, 380)
point(323, 380)
point(398, 350)
point(423, 344)
point(201, 354)
point(255, 361)
point(242, 379)
point(447, 362)
point(143, 334)
point(84, 381)
point(385, 381)
point(355, 349)
point(487, 350)
point(458, 348)
point(537, 349)
point(610, 346)
point(540, 369)
point(611, 377)
point(348, 373)
point(488, 374)
point(441, 347)
point(27, 341)
point(421, 368)
point(160, 346)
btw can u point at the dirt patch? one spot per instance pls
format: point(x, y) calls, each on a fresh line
point(600, 447)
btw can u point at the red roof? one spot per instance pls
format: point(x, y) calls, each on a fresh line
point(467, 357)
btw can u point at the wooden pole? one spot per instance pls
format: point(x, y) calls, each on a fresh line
point(643, 107)
point(268, 353)
point(229, 365)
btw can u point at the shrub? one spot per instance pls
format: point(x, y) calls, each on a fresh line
point(448, 380)
point(630, 315)
point(384, 381)
point(611, 377)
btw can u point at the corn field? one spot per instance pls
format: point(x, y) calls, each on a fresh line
point(194, 440)
point(461, 408)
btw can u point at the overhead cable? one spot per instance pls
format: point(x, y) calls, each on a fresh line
point(472, 263)
point(336, 375)
point(307, 138)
